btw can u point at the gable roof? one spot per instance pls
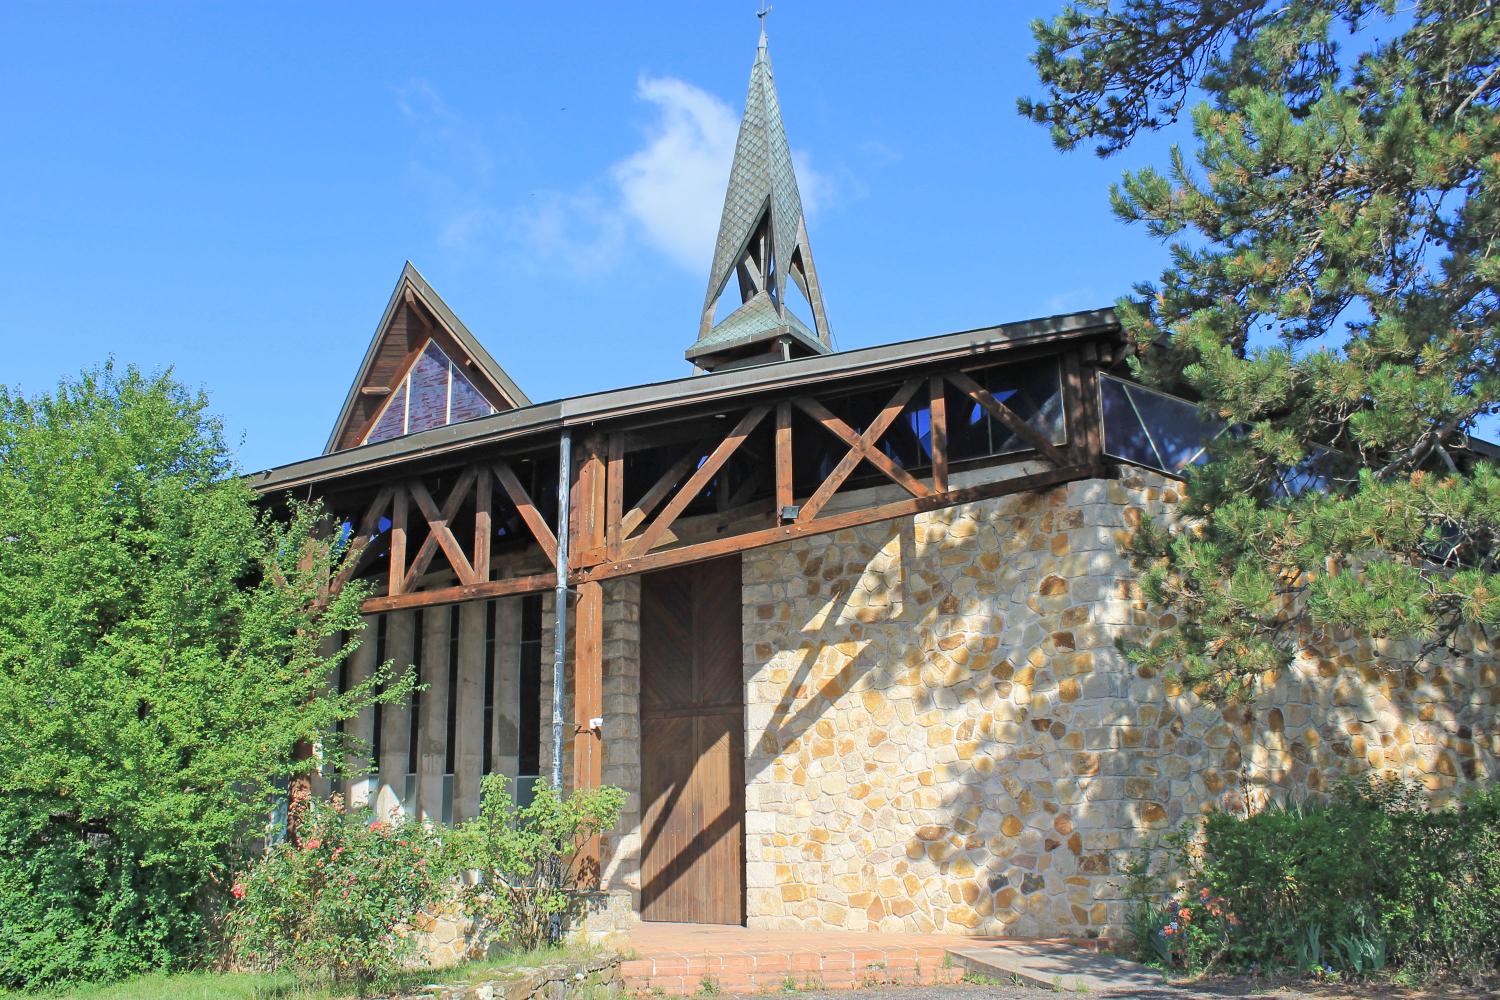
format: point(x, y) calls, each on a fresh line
point(414, 300)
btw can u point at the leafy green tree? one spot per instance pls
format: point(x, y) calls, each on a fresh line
point(1331, 298)
point(164, 650)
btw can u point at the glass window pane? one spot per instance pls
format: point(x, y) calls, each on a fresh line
point(1033, 391)
point(1151, 428)
point(1124, 437)
point(429, 390)
point(467, 403)
point(392, 422)
point(1175, 427)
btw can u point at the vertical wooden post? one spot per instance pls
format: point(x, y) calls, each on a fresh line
point(784, 494)
point(398, 542)
point(590, 502)
point(1080, 393)
point(484, 493)
point(589, 505)
point(938, 432)
point(614, 493)
point(588, 709)
point(1093, 413)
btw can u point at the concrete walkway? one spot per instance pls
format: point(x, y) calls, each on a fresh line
point(682, 959)
point(1057, 966)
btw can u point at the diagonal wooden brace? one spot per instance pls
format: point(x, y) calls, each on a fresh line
point(439, 534)
point(1008, 417)
point(862, 447)
point(516, 493)
point(697, 481)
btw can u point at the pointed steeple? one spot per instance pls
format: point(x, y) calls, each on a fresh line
point(762, 241)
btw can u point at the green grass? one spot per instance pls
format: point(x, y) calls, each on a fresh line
point(284, 986)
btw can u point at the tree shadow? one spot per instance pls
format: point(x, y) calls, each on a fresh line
point(955, 743)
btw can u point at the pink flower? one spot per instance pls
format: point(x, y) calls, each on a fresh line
point(378, 826)
point(238, 891)
point(312, 844)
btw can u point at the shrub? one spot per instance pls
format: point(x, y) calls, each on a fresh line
point(1369, 876)
point(76, 902)
point(163, 650)
point(526, 857)
point(341, 901)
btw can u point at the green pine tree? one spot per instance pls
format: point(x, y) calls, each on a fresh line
point(1335, 249)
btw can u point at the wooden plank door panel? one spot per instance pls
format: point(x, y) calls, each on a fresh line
point(692, 745)
point(665, 772)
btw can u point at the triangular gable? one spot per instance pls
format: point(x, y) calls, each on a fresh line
point(421, 353)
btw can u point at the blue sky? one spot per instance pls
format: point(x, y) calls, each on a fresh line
point(232, 190)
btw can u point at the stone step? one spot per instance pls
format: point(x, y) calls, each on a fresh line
point(779, 970)
point(1056, 966)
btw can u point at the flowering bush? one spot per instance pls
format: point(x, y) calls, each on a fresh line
point(341, 900)
point(1368, 877)
point(526, 857)
point(1192, 931)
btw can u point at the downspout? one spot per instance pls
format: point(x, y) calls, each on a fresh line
point(560, 625)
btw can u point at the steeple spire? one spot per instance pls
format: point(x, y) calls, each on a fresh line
point(762, 240)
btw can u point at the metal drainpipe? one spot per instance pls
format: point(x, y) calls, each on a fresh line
point(560, 625)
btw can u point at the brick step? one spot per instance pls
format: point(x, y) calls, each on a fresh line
point(759, 973)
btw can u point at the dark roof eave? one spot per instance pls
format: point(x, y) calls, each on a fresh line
point(734, 383)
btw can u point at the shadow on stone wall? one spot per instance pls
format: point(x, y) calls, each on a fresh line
point(943, 735)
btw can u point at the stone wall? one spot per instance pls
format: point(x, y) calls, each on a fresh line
point(942, 734)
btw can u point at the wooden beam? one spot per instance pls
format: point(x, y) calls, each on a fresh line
point(834, 522)
point(937, 432)
point(534, 584)
point(516, 493)
point(484, 531)
point(439, 535)
point(860, 450)
point(785, 497)
point(697, 481)
point(1088, 430)
point(614, 495)
point(661, 489)
point(836, 426)
point(1007, 416)
point(369, 527)
point(396, 583)
point(588, 706)
point(588, 544)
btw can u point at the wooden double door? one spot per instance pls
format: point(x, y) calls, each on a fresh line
point(693, 745)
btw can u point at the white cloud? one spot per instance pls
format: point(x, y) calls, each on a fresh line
point(667, 194)
point(673, 187)
point(577, 231)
